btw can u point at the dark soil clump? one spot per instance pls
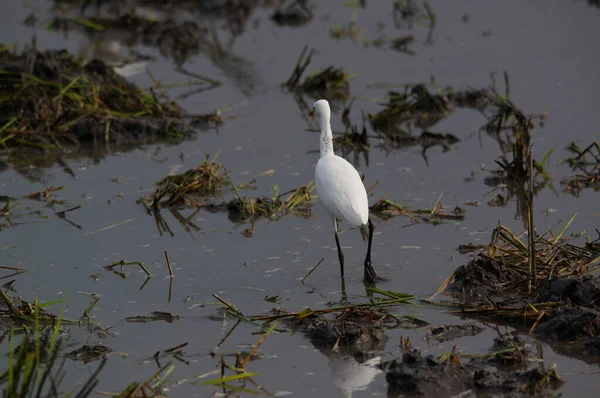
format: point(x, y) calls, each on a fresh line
point(582, 291)
point(571, 323)
point(478, 277)
point(443, 333)
point(562, 306)
point(415, 374)
point(351, 327)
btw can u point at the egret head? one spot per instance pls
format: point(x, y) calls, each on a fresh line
point(321, 109)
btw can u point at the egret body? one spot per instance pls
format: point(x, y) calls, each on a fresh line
point(340, 189)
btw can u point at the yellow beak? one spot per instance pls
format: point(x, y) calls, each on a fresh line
point(311, 113)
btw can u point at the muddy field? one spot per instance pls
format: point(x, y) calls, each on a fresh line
point(160, 234)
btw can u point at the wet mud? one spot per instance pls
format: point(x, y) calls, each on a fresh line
point(416, 375)
point(567, 311)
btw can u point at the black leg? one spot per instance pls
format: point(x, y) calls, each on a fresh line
point(340, 254)
point(344, 298)
point(370, 275)
point(339, 248)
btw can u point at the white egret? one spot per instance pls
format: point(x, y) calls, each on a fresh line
point(340, 189)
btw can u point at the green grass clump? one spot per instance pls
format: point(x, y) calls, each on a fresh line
point(32, 368)
point(49, 99)
point(207, 178)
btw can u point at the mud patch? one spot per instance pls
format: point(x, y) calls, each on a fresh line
point(351, 327)
point(413, 374)
point(570, 324)
point(443, 333)
point(478, 278)
point(562, 305)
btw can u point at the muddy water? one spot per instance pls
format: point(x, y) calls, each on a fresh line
point(548, 49)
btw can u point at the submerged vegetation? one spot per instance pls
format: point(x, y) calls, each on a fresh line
point(587, 163)
point(331, 83)
point(421, 106)
point(177, 40)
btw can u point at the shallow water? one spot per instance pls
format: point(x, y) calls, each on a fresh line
point(548, 49)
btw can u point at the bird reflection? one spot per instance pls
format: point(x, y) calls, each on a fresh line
point(349, 375)
point(353, 367)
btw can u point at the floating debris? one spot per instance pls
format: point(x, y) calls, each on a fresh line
point(386, 209)
point(121, 263)
point(43, 195)
point(350, 31)
point(587, 163)
point(470, 248)
point(88, 354)
point(153, 317)
point(295, 14)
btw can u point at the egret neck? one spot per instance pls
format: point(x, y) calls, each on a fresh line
point(326, 135)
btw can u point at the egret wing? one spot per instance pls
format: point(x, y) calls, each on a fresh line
point(341, 190)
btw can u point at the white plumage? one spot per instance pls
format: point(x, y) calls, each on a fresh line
point(340, 188)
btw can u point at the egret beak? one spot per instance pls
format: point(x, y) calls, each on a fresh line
point(311, 113)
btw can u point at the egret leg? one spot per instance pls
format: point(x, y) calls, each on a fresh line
point(370, 275)
point(339, 248)
point(344, 298)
